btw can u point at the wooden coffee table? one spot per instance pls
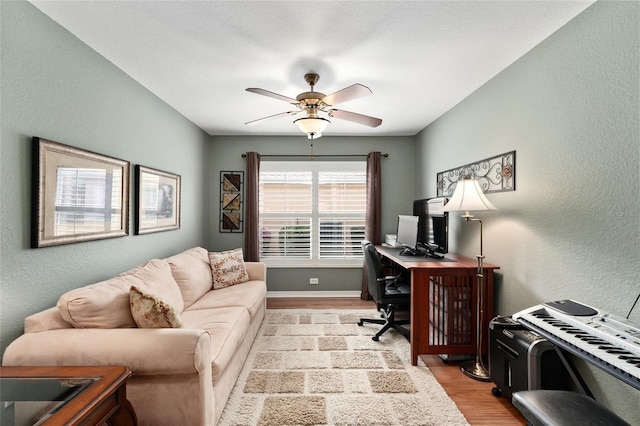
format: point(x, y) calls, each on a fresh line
point(66, 395)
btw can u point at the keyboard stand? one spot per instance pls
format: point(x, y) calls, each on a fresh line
point(579, 382)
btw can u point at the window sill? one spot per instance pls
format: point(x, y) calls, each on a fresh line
point(306, 264)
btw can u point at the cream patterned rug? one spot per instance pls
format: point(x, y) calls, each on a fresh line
point(318, 367)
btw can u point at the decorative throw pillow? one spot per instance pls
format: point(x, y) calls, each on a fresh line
point(227, 268)
point(158, 280)
point(149, 311)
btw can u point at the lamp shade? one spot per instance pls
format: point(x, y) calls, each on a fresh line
point(468, 196)
point(312, 126)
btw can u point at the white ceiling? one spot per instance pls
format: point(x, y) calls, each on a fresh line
point(420, 58)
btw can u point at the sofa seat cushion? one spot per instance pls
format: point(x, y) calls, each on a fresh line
point(192, 272)
point(106, 304)
point(250, 295)
point(227, 328)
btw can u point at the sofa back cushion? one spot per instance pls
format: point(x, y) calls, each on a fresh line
point(100, 305)
point(192, 272)
point(157, 277)
point(49, 319)
point(106, 304)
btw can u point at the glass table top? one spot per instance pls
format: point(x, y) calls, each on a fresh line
point(31, 401)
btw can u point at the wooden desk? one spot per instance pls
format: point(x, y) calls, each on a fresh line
point(103, 401)
point(444, 294)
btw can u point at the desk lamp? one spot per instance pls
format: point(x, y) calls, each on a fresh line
point(467, 197)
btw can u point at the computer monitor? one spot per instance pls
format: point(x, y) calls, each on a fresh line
point(433, 228)
point(407, 233)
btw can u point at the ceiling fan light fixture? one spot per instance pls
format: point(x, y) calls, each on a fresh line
point(313, 102)
point(312, 126)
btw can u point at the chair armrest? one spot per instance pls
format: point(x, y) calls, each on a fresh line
point(392, 277)
point(146, 351)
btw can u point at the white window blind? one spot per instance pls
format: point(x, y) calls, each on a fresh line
point(87, 200)
point(312, 213)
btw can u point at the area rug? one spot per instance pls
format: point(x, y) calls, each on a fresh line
point(318, 367)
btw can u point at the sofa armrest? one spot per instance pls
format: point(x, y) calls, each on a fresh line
point(257, 271)
point(148, 351)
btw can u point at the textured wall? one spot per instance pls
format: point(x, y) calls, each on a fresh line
point(398, 193)
point(570, 108)
point(56, 87)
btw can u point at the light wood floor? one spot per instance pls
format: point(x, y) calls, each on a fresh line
point(473, 398)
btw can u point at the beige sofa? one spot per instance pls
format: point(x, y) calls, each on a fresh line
point(181, 376)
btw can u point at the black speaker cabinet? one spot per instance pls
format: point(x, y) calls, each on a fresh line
point(520, 359)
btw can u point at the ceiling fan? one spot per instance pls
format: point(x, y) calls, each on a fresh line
point(313, 102)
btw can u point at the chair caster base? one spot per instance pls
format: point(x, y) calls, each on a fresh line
point(360, 323)
point(375, 338)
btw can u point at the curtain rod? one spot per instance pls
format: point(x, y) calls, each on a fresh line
point(315, 155)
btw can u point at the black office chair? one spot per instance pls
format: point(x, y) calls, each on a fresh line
point(389, 292)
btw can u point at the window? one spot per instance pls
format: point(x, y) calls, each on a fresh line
point(312, 213)
point(87, 200)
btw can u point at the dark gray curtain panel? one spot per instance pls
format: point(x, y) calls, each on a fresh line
point(251, 215)
point(373, 217)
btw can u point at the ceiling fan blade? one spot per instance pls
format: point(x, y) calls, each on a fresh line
point(348, 93)
point(355, 117)
point(259, 120)
point(272, 95)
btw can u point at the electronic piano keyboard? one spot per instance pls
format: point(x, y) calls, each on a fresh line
point(610, 342)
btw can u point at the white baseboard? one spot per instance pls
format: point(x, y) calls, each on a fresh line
point(275, 294)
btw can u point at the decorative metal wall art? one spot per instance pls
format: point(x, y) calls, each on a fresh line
point(495, 174)
point(231, 201)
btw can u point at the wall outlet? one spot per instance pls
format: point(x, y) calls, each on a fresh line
point(313, 281)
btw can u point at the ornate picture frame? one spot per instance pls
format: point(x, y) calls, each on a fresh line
point(158, 200)
point(77, 195)
point(231, 201)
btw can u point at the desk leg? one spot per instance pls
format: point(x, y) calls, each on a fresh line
point(419, 313)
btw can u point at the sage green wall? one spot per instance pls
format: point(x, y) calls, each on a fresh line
point(398, 190)
point(570, 109)
point(54, 86)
